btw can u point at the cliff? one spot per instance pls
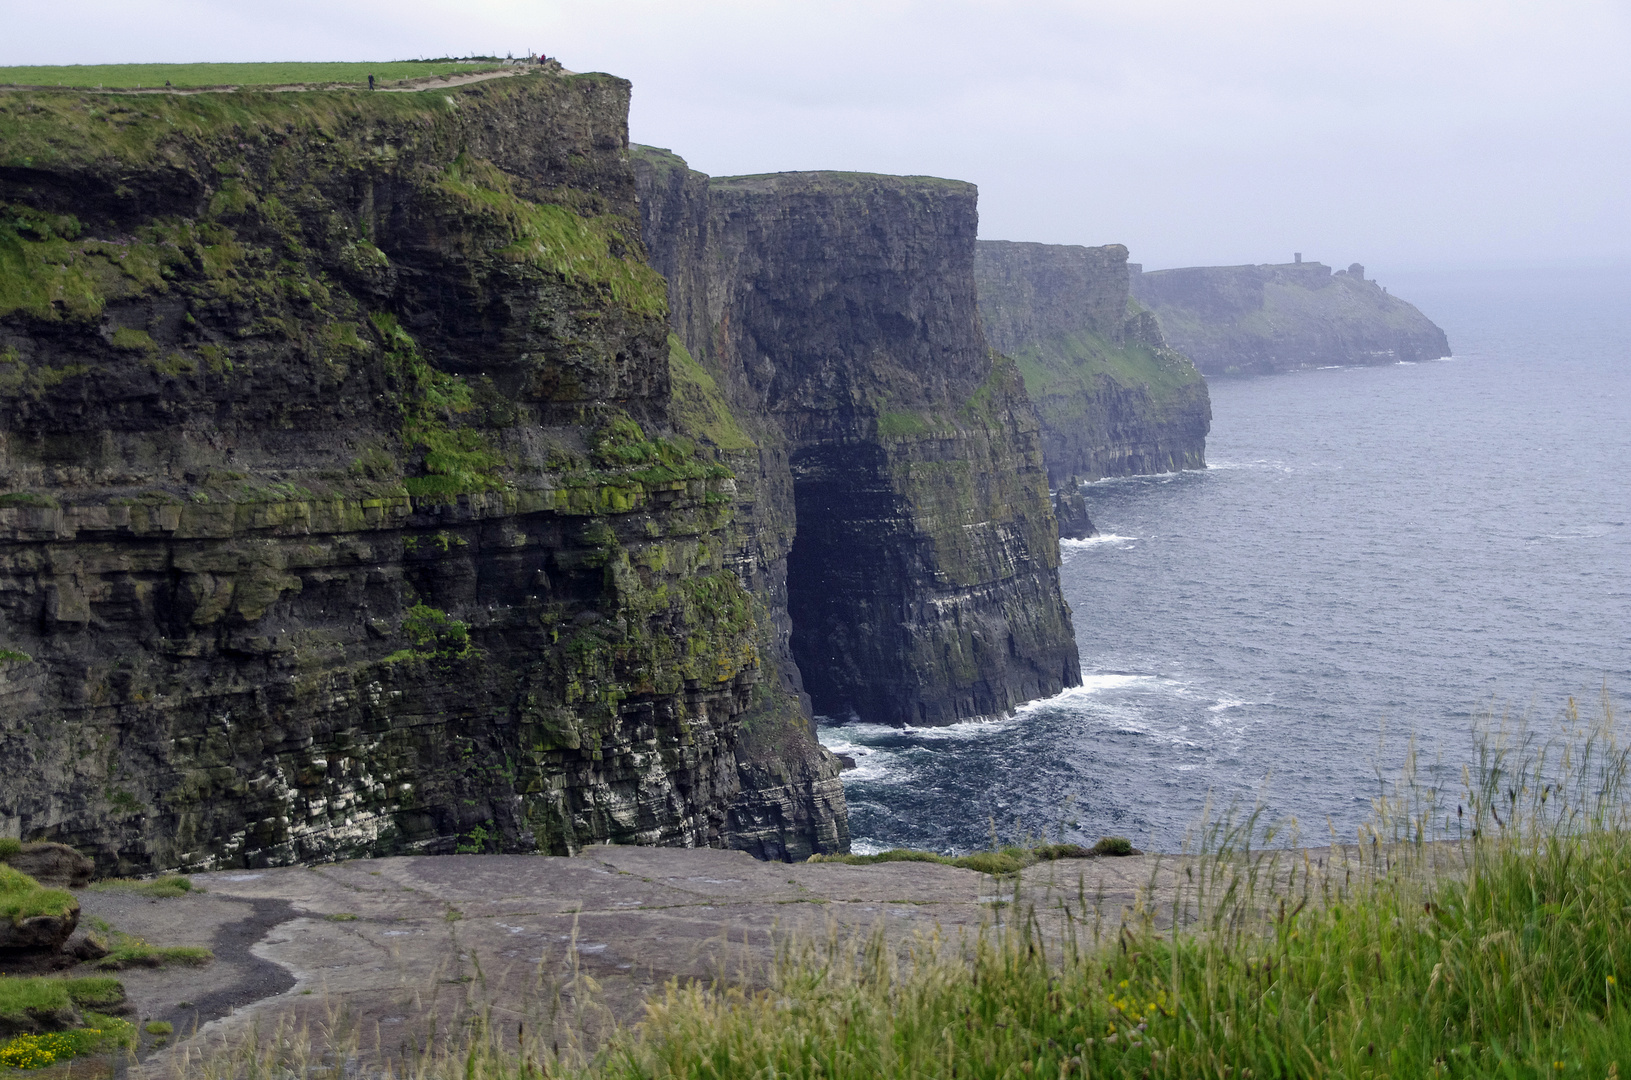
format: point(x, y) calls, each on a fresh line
point(900, 464)
point(1113, 398)
point(356, 500)
point(1238, 320)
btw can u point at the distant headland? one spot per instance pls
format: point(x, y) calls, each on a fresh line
point(1245, 320)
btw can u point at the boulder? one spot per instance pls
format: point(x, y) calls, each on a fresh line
point(55, 866)
point(33, 919)
point(39, 1020)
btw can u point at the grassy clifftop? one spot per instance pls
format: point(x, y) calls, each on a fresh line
point(187, 76)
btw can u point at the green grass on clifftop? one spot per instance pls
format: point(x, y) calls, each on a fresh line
point(181, 76)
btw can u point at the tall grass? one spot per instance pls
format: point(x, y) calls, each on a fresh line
point(1475, 930)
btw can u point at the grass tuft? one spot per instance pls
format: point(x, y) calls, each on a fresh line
point(166, 887)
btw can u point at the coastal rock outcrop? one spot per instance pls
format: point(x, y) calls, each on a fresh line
point(354, 499)
point(1243, 320)
point(900, 464)
point(1113, 398)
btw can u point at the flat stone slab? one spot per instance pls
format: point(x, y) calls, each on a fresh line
point(569, 946)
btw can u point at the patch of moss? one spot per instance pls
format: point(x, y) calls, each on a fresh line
point(699, 407)
point(132, 951)
point(896, 425)
point(596, 251)
point(456, 460)
point(29, 498)
point(434, 637)
point(133, 340)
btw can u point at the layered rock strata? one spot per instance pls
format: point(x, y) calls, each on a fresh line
point(1113, 398)
point(900, 464)
point(355, 501)
point(1243, 320)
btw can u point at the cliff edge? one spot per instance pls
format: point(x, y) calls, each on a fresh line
point(1113, 398)
point(355, 500)
point(1244, 320)
point(900, 460)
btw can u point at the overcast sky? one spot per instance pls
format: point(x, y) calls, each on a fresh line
point(1399, 133)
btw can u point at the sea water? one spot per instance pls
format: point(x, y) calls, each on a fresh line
point(1374, 555)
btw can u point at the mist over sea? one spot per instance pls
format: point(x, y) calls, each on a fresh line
point(1374, 553)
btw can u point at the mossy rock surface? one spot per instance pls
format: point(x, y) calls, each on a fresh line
point(34, 919)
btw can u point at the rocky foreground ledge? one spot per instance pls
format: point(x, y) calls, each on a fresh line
point(413, 945)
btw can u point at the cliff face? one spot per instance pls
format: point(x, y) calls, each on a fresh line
point(1259, 319)
point(356, 500)
point(899, 458)
point(1113, 398)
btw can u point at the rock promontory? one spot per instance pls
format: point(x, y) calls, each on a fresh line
point(1243, 320)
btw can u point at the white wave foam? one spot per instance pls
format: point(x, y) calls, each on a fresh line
point(1092, 685)
point(1067, 544)
point(1225, 704)
point(1139, 478)
point(1259, 463)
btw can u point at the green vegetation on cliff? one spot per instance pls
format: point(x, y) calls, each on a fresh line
point(1113, 399)
point(555, 238)
point(1068, 367)
point(699, 407)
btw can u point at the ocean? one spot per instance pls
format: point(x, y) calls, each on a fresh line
point(1374, 556)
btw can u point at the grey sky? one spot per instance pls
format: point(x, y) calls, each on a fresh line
point(1393, 132)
